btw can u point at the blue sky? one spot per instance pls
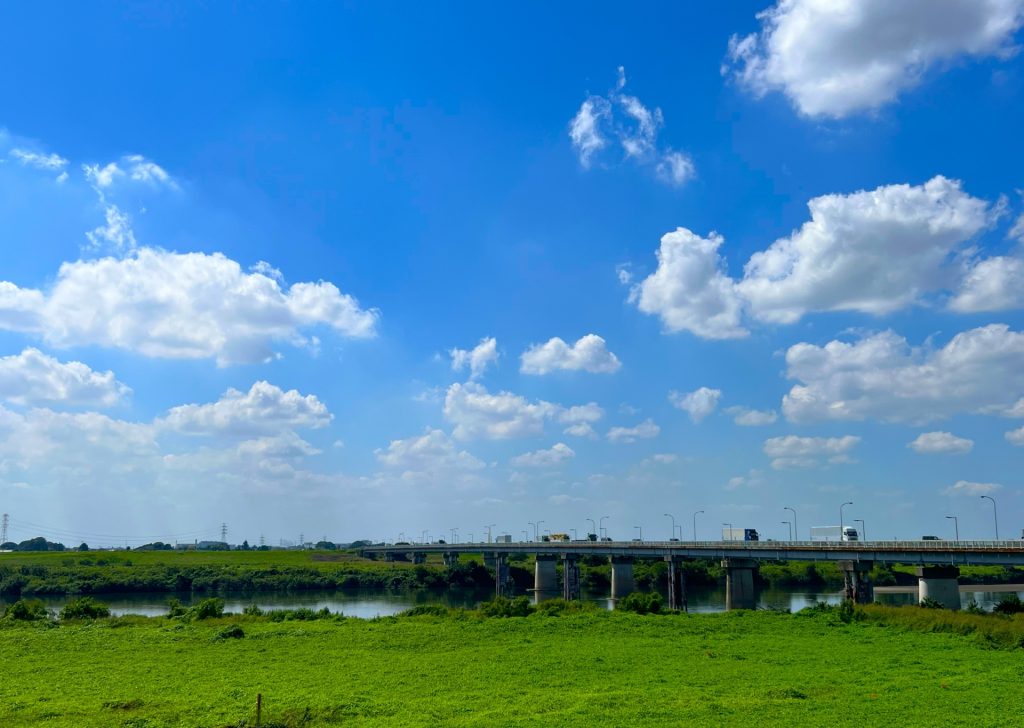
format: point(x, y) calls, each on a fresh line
point(355, 271)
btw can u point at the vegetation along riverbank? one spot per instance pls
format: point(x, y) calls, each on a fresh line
point(561, 664)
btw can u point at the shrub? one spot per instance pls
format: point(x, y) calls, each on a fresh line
point(207, 609)
point(640, 602)
point(973, 608)
point(253, 610)
point(84, 608)
point(426, 610)
point(27, 610)
point(502, 607)
point(234, 632)
point(175, 608)
point(929, 603)
point(558, 607)
point(1010, 604)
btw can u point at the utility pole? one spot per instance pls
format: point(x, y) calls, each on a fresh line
point(224, 532)
point(3, 528)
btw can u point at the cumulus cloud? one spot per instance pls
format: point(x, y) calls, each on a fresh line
point(133, 167)
point(287, 445)
point(690, 290)
point(33, 378)
point(116, 233)
point(752, 418)
point(433, 452)
point(883, 377)
point(1015, 437)
point(699, 403)
point(991, 284)
point(589, 354)
point(552, 457)
point(965, 487)
point(582, 429)
point(620, 119)
point(476, 413)
point(793, 451)
point(264, 407)
point(931, 443)
point(173, 305)
point(874, 252)
point(837, 59)
point(476, 359)
point(645, 430)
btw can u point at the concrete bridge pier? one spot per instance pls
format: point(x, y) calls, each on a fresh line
point(739, 583)
point(419, 558)
point(502, 579)
point(622, 576)
point(570, 578)
point(450, 558)
point(545, 578)
point(857, 583)
point(676, 584)
point(939, 583)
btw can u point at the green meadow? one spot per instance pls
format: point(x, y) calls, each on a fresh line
point(569, 666)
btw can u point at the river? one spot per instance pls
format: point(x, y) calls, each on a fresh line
point(375, 603)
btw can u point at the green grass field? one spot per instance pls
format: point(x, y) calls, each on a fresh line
point(589, 669)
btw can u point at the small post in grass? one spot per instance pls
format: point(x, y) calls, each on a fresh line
point(259, 708)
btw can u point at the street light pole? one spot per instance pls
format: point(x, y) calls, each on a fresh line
point(790, 524)
point(526, 535)
point(600, 526)
point(673, 525)
point(995, 515)
point(537, 530)
point(489, 527)
point(863, 531)
point(795, 529)
point(842, 536)
point(593, 526)
point(956, 526)
point(531, 523)
point(729, 526)
point(695, 525)
point(641, 529)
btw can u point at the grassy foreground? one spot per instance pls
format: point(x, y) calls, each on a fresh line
point(575, 669)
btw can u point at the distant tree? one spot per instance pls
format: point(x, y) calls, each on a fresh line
point(326, 545)
point(39, 544)
point(359, 544)
point(83, 546)
point(9, 546)
point(245, 546)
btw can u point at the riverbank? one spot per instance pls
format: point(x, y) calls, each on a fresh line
point(463, 669)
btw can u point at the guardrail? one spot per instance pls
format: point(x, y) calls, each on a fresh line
point(852, 546)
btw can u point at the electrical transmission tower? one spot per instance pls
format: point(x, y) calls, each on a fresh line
point(3, 528)
point(262, 541)
point(224, 532)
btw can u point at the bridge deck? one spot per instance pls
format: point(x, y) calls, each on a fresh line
point(994, 553)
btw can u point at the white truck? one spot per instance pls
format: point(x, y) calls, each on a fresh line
point(739, 534)
point(834, 533)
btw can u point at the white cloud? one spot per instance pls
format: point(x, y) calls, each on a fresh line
point(752, 418)
point(553, 456)
point(33, 378)
point(588, 354)
point(433, 452)
point(1015, 437)
point(49, 162)
point(265, 407)
point(992, 284)
point(173, 305)
point(793, 451)
point(964, 487)
point(582, 429)
point(587, 413)
point(883, 377)
point(690, 290)
point(1017, 231)
point(874, 251)
point(661, 458)
point(931, 443)
point(477, 359)
point(1014, 410)
point(116, 234)
point(476, 413)
point(286, 445)
point(836, 59)
point(133, 167)
point(625, 119)
point(699, 403)
point(752, 479)
point(645, 430)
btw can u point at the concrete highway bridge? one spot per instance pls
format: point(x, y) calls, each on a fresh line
point(937, 563)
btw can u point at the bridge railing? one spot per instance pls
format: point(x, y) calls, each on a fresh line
point(850, 546)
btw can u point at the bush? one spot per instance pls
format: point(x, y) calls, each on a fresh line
point(1010, 604)
point(27, 610)
point(502, 607)
point(558, 607)
point(426, 610)
point(207, 609)
point(84, 608)
point(641, 603)
point(929, 603)
point(253, 610)
point(234, 632)
point(175, 608)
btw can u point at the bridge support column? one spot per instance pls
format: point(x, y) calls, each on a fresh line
point(857, 583)
point(676, 584)
point(570, 578)
point(502, 579)
point(545, 578)
point(622, 576)
point(739, 584)
point(450, 558)
point(419, 558)
point(939, 583)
